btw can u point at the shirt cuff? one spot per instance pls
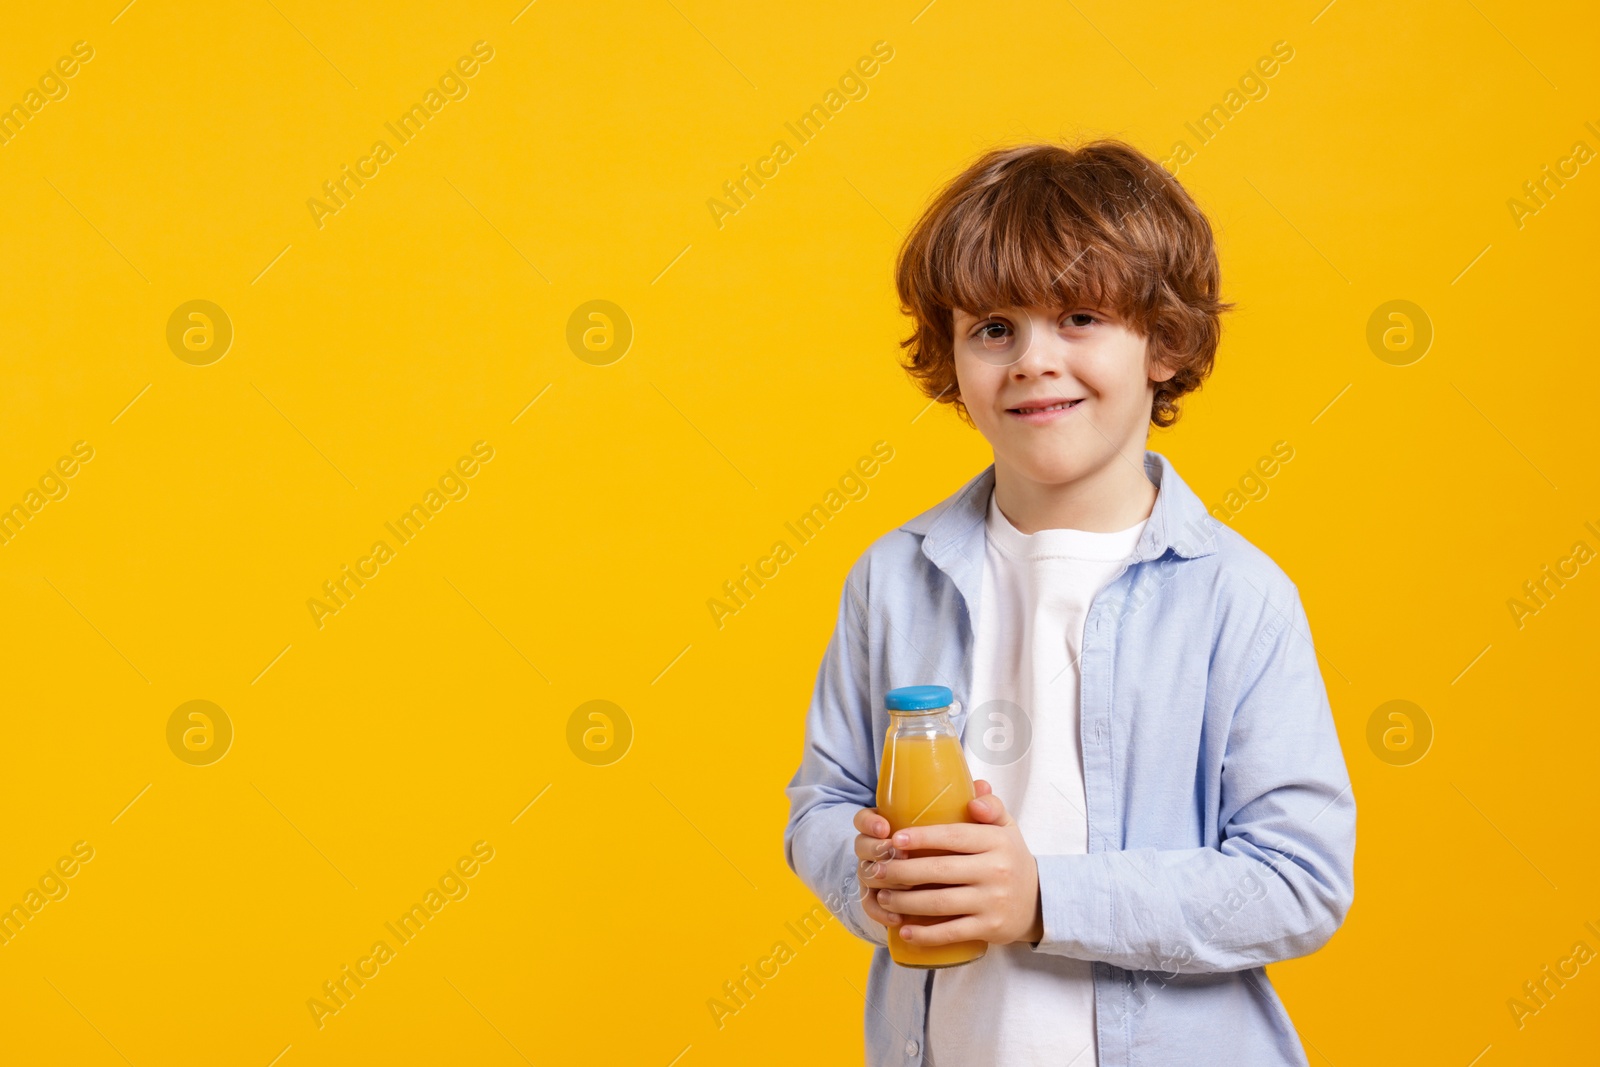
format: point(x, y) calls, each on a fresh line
point(865, 926)
point(1074, 903)
point(840, 827)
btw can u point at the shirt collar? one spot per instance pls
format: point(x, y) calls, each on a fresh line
point(953, 533)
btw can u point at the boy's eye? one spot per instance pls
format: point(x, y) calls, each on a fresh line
point(996, 340)
point(993, 329)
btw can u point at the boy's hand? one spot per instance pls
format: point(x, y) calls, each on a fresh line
point(872, 846)
point(990, 886)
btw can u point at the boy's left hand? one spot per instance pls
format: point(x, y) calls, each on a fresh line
point(993, 880)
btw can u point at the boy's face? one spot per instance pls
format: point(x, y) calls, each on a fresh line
point(1082, 354)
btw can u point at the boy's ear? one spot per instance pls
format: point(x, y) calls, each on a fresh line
point(1159, 370)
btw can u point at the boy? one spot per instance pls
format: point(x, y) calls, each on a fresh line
point(1163, 806)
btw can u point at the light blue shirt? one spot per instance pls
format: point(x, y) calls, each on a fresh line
point(1221, 821)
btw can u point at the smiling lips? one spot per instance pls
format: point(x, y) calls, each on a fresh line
point(1041, 411)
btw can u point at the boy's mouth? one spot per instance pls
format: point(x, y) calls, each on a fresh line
point(1043, 410)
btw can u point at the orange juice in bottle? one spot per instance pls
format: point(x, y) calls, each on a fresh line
point(924, 780)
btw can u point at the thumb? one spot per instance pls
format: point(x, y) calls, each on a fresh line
point(988, 808)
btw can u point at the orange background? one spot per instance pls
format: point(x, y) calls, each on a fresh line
point(431, 311)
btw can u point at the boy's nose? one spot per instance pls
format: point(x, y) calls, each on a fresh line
point(1042, 355)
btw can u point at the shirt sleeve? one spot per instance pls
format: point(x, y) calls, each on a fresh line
point(1282, 877)
point(836, 774)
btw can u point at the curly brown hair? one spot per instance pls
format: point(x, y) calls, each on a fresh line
point(1101, 225)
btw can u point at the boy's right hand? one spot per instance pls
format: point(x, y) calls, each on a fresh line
point(872, 845)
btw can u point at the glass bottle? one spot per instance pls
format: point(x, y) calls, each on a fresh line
point(924, 780)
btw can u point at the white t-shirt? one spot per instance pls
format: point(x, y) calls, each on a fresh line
point(1017, 1007)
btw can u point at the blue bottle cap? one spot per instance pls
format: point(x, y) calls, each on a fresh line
point(918, 698)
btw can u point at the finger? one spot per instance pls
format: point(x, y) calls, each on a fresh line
point(982, 788)
point(925, 870)
point(869, 822)
point(949, 836)
point(989, 809)
point(959, 900)
point(874, 875)
point(961, 928)
point(876, 912)
point(873, 848)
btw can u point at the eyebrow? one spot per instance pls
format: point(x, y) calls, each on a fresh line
point(1103, 310)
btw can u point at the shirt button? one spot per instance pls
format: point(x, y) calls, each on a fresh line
point(911, 1048)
